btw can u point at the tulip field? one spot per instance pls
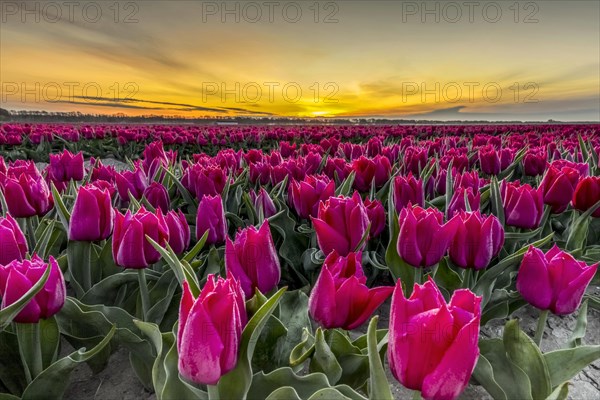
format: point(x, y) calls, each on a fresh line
point(301, 261)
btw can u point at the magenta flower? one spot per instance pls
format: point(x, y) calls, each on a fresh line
point(477, 240)
point(13, 245)
point(92, 216)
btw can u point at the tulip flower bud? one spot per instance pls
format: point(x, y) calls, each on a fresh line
point(534, 162)
point(25, 191)
point(433, 346)
point(129, 245)
point(341, 224)
point(65, 167)
point(179, 231)
point(306, 195)
point(13, 245)
point(558, 187)
point(457, 203)
point(92, 216)
point(252, 259)
point(203, 181)
point(262, 201)
point(377, 217)
point(210, 330)
point(134, 182)
point(523, 205)
point(477, 240)
point(18, 277)
point(553, 281)
point(587, 193)
point(408, 190)
point(341, 298)
point(157, 196)
point(489, 161)
point(417, 248)
point(211, 218)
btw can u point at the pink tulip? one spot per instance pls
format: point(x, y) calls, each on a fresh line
point(341, 298)
point(433, 346)
point(13, 245)
point(553, 281)
point(210, 330)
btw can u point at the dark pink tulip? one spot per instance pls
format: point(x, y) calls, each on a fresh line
point(134, 182)
point(211, 218)
point(204, 180)
point(558, 186)
point(92, 216)
point(306, 195)
point(364, 169)
point(506, 158)
point(433, 345)
point(523, 205)
point(129, 245)
point(260, 173)
point(407, 190)
point(252, 259)
point(377, 217)
point(13, 245)
point(26, 194)
point(3, 167)
point(157, 196)
point(179, 231)
point(262, 201)
point(582, 168)
point(415, 159)
point(457, 203)
point(18, 277)
point(341, 298)
point(587, 193)
point(424, 238)
point(154, 158)
point(65, 167)
point(534, 162)
point(337, 167)
point(489, 161)
point(477, 240)
point(341, 224)
point(210, 330)
point(553, 281)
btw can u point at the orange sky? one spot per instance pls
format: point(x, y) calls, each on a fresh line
point(496, 61)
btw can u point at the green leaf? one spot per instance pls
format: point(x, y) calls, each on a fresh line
point(346, 187)
point(484, 375)
point(398, 268)
point(323, 359)
point(507, 375)
point(305, 386)
point(7, 314)
point(449, 188)
point(521, 350)
point(560, 393)
point(579, 229)
point(187, 197)
point(496, 200)
point(61, 209)
point(235, 384)
point(197, 248)
point(165, 373)
point(379, 388)
point(564, 364)
point(53, 381)
point(580, 326)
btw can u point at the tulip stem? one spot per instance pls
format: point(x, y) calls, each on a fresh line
point(144, 293)
point(417, 395)
point(213, 392)
point(419, 275)
point(539, 332)
point(30, 233)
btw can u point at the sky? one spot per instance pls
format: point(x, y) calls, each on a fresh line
point(438, 60)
